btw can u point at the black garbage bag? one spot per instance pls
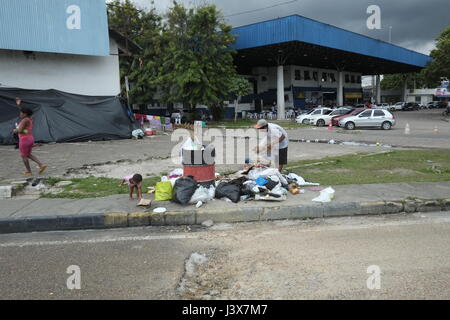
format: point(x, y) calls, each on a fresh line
point(228, 190)
point(183, 190)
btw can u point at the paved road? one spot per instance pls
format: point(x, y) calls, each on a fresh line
point(277, 260)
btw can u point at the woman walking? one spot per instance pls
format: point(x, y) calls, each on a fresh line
point(26, 141)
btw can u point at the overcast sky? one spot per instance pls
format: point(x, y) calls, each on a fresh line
point(415, 23)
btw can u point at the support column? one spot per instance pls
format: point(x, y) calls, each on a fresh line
point(405, 90)
point(378, 102)
point(280, 93)
point(340, 89)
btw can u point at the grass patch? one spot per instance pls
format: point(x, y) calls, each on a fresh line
point(246, 123)
point(94, 187)
point(390, 167)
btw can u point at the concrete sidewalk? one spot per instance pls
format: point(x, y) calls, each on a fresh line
point(25, 215)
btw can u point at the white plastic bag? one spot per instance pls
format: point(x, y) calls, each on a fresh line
point(300, 181)
point(326, 195)
point(203, 194)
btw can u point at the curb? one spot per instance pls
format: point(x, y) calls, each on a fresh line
point(197, 217)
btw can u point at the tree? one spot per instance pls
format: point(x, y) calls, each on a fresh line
point(440, 65)
point(197, 64)
point(143, 28)
point(397, 81)
point(239, 87)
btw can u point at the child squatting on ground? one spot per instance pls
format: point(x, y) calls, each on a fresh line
point(133, 181)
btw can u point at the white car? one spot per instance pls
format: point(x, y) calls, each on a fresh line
point(384, 106)
point(324, 119)
point(371, 118)
point(397, 106)
point(305, 118)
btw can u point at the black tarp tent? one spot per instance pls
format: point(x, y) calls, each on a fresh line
point(64, 117)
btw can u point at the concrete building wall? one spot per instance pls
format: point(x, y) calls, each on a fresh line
point(79, 74)
point(267, 78)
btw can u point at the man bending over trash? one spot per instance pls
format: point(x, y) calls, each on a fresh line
point(277, 138)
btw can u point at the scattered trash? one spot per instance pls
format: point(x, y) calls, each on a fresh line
point(163, 191)
point(228, 190)
point(300, 181)
point(203, 194)
point(176, 173)
point(183, 190)
point(261, 181)
point(326, 195)
point(160, 210)
point(138, 134)
point(144, 203)
point(199, 204)
point(270, 197)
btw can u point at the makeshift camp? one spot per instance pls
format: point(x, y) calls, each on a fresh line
point(64, 117)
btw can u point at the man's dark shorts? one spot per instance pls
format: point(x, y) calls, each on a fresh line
point(283, 156)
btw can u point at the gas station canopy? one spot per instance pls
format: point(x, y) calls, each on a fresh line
point(296, 40)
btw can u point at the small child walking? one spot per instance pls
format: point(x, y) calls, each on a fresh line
point(133, 181)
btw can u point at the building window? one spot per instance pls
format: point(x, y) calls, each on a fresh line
point(347, 78)
point(353, 79)
point(298, 75)
point(358, 79)
point(307, 76)
point(418, 99)
point(332, 78)
point(324, 77)
point(315, 76)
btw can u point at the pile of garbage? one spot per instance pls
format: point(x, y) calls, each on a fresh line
point(255, 182)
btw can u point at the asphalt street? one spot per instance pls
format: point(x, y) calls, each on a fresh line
point(315, 259)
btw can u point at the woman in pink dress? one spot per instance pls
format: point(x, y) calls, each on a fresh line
point(26, 141)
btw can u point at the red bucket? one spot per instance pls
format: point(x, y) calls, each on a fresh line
point(201, 173)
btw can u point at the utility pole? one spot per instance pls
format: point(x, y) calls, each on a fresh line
point(390, 34)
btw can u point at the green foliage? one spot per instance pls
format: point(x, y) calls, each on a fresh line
point(440, 65)
point(396, 81)
point(197, 64)
point(143, 28)
point(94, 187)
point(390, 167)
point(240, 86)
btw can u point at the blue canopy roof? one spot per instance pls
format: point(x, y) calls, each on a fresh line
point(334, 42)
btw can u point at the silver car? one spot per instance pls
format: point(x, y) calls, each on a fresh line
point(372, 118)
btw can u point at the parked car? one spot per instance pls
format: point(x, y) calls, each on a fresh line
point(432, 105)
point(441, 105)
point(384, 106)
point(397, 106)
point(304, 118)
point(410, 106)
point(324, 119)
point(354, 112)
point(370, 118)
